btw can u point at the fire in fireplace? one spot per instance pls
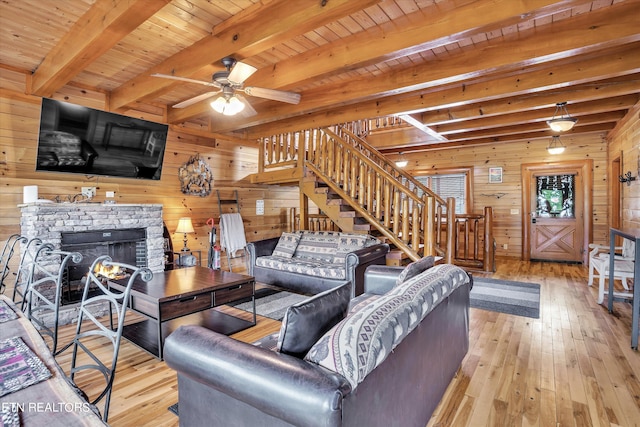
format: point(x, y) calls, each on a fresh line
point(126, 246)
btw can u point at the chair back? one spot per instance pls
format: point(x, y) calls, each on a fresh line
point(43, 292)
point(628, 248)
point(90, 328)
point(8, 250)
point(25, 270)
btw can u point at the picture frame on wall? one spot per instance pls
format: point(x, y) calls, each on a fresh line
point(495, 175)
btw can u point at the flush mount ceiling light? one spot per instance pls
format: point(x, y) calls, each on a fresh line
point(401, 162)
point(555, 145)
point(563, 122)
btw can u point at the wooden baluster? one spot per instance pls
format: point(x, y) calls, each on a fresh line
point(467, 235)
point(387, 204)
point(269, 159)
point(261, 157)
point(362, 181)
point(406, 218)
point(338, 165)
point(415, 228)
point(378, 197)
point(346, 179)
point(278, 148)
point(396, 211)
point(370, 190)
point(429, 225)
point(354, 177)
point(330, 157)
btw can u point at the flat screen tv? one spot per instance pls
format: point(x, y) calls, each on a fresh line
point(76, 139)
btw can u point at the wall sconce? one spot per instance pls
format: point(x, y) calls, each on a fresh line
point(185, 226)
point(564, 122)
point(627, 178)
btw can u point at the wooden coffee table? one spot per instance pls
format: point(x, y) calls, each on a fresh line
point(185, 296)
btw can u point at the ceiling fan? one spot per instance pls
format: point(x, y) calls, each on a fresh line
point(228, 83)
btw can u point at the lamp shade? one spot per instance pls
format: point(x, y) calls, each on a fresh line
point(561, 120)
point(555, 145)
point(184, 225)
point(227, 105)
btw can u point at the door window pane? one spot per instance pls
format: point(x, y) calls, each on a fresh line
point(555, 196)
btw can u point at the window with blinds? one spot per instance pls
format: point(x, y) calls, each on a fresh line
point(445, 186)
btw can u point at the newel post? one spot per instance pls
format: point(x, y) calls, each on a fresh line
point(489, 251)
point(451, 231)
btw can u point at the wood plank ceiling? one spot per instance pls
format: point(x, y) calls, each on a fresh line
point(471, 71)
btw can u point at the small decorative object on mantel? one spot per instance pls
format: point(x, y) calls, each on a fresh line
point(195, 177)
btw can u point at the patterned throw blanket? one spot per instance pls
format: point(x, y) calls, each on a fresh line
point(362, 341)
point(19, 366)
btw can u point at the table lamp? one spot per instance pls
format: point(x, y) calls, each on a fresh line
point(185, 226)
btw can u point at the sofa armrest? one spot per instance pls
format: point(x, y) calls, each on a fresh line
point(358, 261)
point(260, 248)
point(379, 279)
point(288, 388)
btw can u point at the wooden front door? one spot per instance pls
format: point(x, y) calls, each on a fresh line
point(557, 225)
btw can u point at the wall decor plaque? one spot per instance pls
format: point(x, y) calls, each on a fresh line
point(195, 177)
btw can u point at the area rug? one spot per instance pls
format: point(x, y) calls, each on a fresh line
point(272, 304)
point(519, 298)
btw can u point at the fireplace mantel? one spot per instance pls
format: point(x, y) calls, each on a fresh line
point(48, 221)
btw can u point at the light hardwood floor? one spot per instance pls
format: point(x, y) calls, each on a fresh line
point(572, 366)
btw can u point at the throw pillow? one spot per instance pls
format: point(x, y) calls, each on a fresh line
point(415, 268)
point(349, 243)
point(305, 322)
point(286, 245)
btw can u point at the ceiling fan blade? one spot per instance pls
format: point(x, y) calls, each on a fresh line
point(248, 110)
point(241, 72)
point(184, 79)
point(276, 95)
point(195, 99)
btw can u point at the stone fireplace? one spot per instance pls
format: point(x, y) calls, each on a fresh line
point(130, 234)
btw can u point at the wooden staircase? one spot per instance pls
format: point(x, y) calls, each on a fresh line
point(360, 190)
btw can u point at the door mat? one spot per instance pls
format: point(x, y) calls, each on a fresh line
point(504, 296)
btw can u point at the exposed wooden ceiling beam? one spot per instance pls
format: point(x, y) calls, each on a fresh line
point(538, 115)
point(97, 31)
point(615, 25)
point(258, 30)
point(592, 91)
point(551, 77)
point(414, 33)
point(602, 128)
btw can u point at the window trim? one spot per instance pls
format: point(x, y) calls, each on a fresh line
point(468, 181)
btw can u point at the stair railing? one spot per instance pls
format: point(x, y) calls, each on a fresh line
point(419, 222)
point(405, 218)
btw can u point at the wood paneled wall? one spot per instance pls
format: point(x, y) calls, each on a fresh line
point(230, 162)
point(506, 197)
point(625, 144)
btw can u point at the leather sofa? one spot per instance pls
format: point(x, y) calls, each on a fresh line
point(222, 381)
point(310, 262)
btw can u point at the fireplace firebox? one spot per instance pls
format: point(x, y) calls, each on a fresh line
point(128, 246)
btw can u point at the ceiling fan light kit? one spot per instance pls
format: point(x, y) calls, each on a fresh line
point(564, 122)
point(228, 83)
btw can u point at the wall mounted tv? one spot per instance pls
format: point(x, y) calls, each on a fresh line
point(76, 139)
